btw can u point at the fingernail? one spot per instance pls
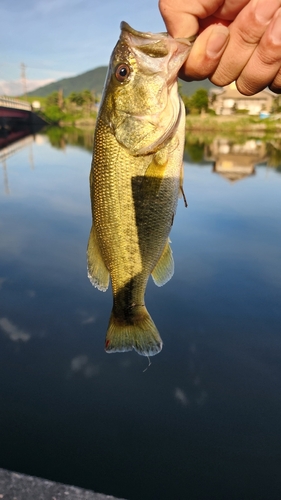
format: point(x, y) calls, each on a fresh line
point(264, 10)
point(275, 29)
point(217, 40)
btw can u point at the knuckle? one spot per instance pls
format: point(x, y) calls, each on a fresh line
point(221, 77)
point(250, 26)
point(275, 85)
point(247, 87)
point(248, 37)
point(268, 57)
point(200, 67)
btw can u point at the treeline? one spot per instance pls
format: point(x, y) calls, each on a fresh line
point(56, 108)
point(197, 102)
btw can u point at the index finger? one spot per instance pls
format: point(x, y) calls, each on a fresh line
point(184, 17)
point(179, 22)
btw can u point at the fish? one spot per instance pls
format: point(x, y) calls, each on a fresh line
point(135, 181)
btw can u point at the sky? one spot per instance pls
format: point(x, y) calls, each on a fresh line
point(56, 39)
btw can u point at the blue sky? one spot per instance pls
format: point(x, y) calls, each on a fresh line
point(60, 38)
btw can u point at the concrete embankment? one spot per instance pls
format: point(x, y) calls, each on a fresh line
point(15, 486)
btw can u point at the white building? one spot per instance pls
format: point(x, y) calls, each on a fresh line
point(227, 100)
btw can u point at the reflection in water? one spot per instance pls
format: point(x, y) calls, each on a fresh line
point(82, 365)
point(5, 177)
point(12, 148)
point(58, 137)
point(235, 161)
point(193, 394)
point(233, 158)
point(273, 151)
point(61, 137)
point(12, 331)
point(181, 396)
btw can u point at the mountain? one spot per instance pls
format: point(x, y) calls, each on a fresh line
point(91, 80)
point(188, 88)
point(94, 79)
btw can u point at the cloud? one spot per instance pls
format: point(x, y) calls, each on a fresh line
point(14, 88)
point(12, 331)
point(86, 318)
point(87, 321)
point(82, 364)
point(181, 396)
point(79, 362)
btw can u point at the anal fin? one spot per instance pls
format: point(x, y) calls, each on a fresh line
point(164, 268)
point(97, 270)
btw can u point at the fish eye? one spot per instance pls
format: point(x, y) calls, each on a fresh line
point(122, 72)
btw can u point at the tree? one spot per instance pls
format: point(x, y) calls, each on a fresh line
point(199, 100)
point(88, 100)
point(87, 96)
point(53, 107)
point(84, 98)
point(52, 99)
point(196, 102)
point(77, 98)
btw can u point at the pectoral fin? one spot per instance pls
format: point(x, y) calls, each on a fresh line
point(164, 268)
point(97, 270)
point(154, 174)
point(181, 193)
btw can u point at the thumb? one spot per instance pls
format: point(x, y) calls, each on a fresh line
point(205, 53)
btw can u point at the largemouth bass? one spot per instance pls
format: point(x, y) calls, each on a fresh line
point(135, 180)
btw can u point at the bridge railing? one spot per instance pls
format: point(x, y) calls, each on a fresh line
point(9, 102)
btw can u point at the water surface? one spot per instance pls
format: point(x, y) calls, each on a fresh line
point(203, 421)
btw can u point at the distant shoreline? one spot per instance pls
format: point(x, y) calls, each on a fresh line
point(234, 124)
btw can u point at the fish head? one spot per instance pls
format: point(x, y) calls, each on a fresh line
point(140, 102)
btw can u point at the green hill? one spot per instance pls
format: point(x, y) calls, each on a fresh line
point(188, 88)
point(94, 79)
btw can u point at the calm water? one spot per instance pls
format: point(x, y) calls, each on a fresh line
point(204, 420)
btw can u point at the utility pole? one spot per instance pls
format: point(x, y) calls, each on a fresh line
point(23, 79)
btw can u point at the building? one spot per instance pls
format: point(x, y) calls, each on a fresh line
point(227, 100)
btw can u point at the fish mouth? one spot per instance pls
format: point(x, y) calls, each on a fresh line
point(158, 46)
point(142, 34)
point(155, 36)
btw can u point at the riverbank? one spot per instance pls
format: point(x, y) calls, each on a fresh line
point(233, 124)
point(208, 124)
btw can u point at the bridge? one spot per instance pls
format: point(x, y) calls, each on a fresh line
point(16, 120)
point(10, 102)
point(10, 107)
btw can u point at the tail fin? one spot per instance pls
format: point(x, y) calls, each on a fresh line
point(139, 333)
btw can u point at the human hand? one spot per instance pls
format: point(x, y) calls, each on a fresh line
point(238, 40)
